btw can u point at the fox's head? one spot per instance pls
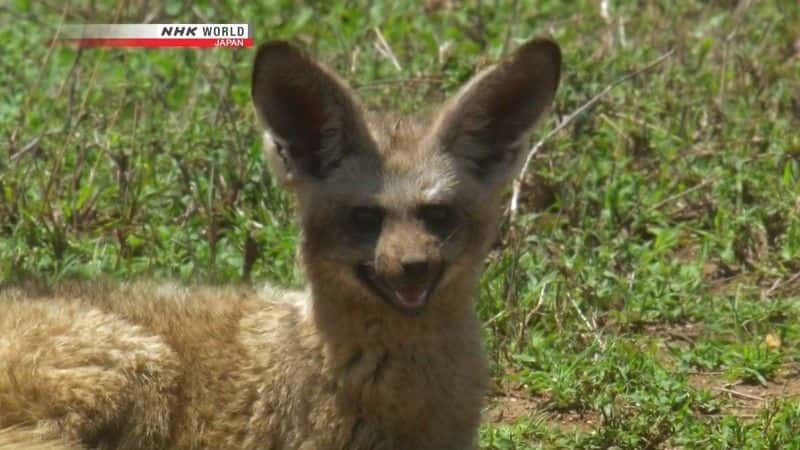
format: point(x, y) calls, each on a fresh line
point(398, 211)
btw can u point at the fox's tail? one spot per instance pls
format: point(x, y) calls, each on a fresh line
point(28, 438)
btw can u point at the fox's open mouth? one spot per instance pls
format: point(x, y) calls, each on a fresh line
point(408, 297)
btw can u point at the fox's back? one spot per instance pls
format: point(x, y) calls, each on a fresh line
point(186, 343)
point(199, 324)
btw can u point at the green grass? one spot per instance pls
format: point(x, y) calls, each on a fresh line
point(646, 295)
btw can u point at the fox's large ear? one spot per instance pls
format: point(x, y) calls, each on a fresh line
point(485, 125)
point(312, 119)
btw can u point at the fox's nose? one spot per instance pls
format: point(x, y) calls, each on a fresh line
point(416, 270)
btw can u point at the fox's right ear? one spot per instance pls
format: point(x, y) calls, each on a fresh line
point(312, 119)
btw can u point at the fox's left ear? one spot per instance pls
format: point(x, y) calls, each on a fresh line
point(485, 125)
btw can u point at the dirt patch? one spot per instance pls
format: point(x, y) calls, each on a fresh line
point(746, 400)
point(536, 194)
point(574, 420)
point(687, 332)
point(511, 408)
point(512, 404)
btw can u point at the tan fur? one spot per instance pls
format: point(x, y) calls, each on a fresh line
point(382, 352)
point(29, 438)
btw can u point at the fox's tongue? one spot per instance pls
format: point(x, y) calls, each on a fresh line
point(411, 295)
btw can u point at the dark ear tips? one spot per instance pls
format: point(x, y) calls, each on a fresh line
point(275, 49)
point(542, 46)
point(544, 56)
point(265, 49)
point(273, 52)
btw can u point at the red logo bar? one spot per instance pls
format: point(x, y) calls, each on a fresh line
point(163, 43)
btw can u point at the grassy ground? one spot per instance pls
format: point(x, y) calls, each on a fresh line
point(646, 295)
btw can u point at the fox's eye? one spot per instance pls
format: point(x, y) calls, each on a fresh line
point(366, 220)
point(439, 219)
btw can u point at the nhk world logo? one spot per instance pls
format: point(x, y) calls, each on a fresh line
point(192, 35)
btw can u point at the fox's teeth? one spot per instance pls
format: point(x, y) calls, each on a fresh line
point(412, 296)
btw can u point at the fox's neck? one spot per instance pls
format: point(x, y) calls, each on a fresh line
point(353, 323)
